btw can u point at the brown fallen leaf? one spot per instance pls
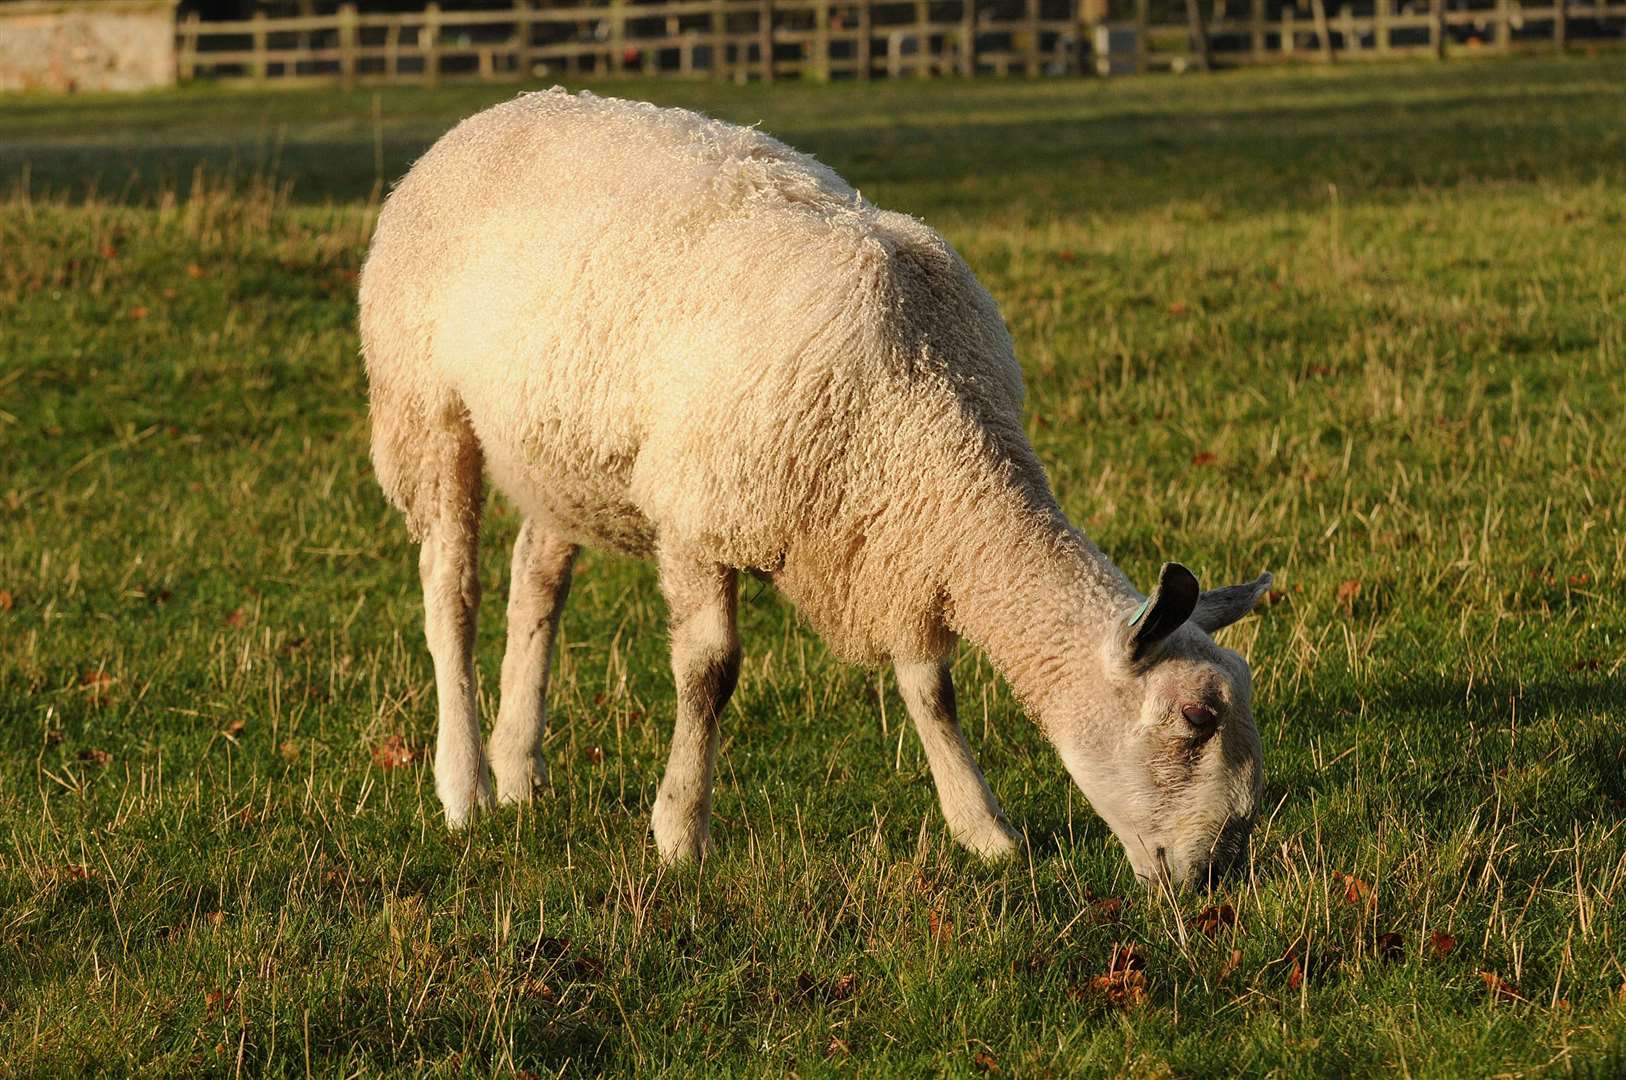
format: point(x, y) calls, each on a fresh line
point(1125, 957)
point(536, 988)
point(940, 926)
point(7, 601)
point(216, 917)
point(235, 728)
point(77, 872)
point(1213, 919)
point(1124, 984)
point(194, 271)
point(95, 756)
point(1308, 964)
point(1123, 989)
point(1107, 910)
point(1067, 256)
point(837, 1048)
point(394, 753)
point(595, 754)
point(1178, 308)
point(1442, 943)
point(237, 619)
point(218, 1002)
point(1204, 457)
point(139, 312)
point(843, 988)
point(289, 750)
point(1500, 988)
point(1347, 592)
point(1391, 946)
point(96, 679)
point(1230, 965)
point(984, 1061)
point(1356, 891)
point(108, 251)
point(1577, 580)
point(1274, 597)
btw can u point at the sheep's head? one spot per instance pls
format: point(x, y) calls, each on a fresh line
point(1162, 739)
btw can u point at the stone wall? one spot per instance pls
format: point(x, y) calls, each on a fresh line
point(63, 45)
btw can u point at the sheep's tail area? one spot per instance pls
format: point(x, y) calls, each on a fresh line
point(411, 413)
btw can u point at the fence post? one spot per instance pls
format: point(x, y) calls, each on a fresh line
point(1198, 31)
point(923, 40)
point(1030, 23)
point(347, 45)
point(1380, 32)
point(1256, 34)
point(429, 43)
point(765, 37)
point(863, 40)
point(260, 65)
point(522, 38)
point(1318, 8)
point(392, 51)
point(1504, 26)
point(186, 65)
point(618, 37)
point(1290, 32)
point(1436, 27)
point(1140, 36)
point(719, 44)
point(821, 41)
point(1560, 24)
point(968, 38)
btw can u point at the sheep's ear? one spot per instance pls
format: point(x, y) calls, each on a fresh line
point(1170, 605)
point(1219, 608)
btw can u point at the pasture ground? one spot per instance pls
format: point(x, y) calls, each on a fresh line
point(1360, 326)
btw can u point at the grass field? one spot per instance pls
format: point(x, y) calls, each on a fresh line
point(1360, 327)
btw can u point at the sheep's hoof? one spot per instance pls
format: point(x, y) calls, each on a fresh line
point(993, 841)
point(679, 837)
point(519, 782)
point(464, 805)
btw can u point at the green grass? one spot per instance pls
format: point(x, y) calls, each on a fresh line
point(1350, 325)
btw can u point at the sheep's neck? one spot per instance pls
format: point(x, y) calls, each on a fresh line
point(1033, 592)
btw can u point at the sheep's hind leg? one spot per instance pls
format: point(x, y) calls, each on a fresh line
point(448, 564)
point(702, 597)
point(972, 812)
point(537, 588)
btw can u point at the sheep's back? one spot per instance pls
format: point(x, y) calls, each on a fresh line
point(660, 323)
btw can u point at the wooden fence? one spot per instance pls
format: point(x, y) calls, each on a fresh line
point(824, 39)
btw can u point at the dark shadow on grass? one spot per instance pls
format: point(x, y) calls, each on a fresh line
point(1462, 739)
point(1269, 147)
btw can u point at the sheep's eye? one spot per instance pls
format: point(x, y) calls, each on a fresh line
point(1200, 717)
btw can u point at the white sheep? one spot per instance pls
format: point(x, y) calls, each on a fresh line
point(679, 338)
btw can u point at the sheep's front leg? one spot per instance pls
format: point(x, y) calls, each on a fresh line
point(537, 588)
point(701, 597)
point(973, 814)
point(448, 564)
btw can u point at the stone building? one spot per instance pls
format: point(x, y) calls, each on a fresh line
point(68, 45)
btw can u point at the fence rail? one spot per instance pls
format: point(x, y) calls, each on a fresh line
point(823, 39)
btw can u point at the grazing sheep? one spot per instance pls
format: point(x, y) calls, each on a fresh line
point(678, 338)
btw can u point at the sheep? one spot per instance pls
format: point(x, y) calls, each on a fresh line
point(680, 339)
